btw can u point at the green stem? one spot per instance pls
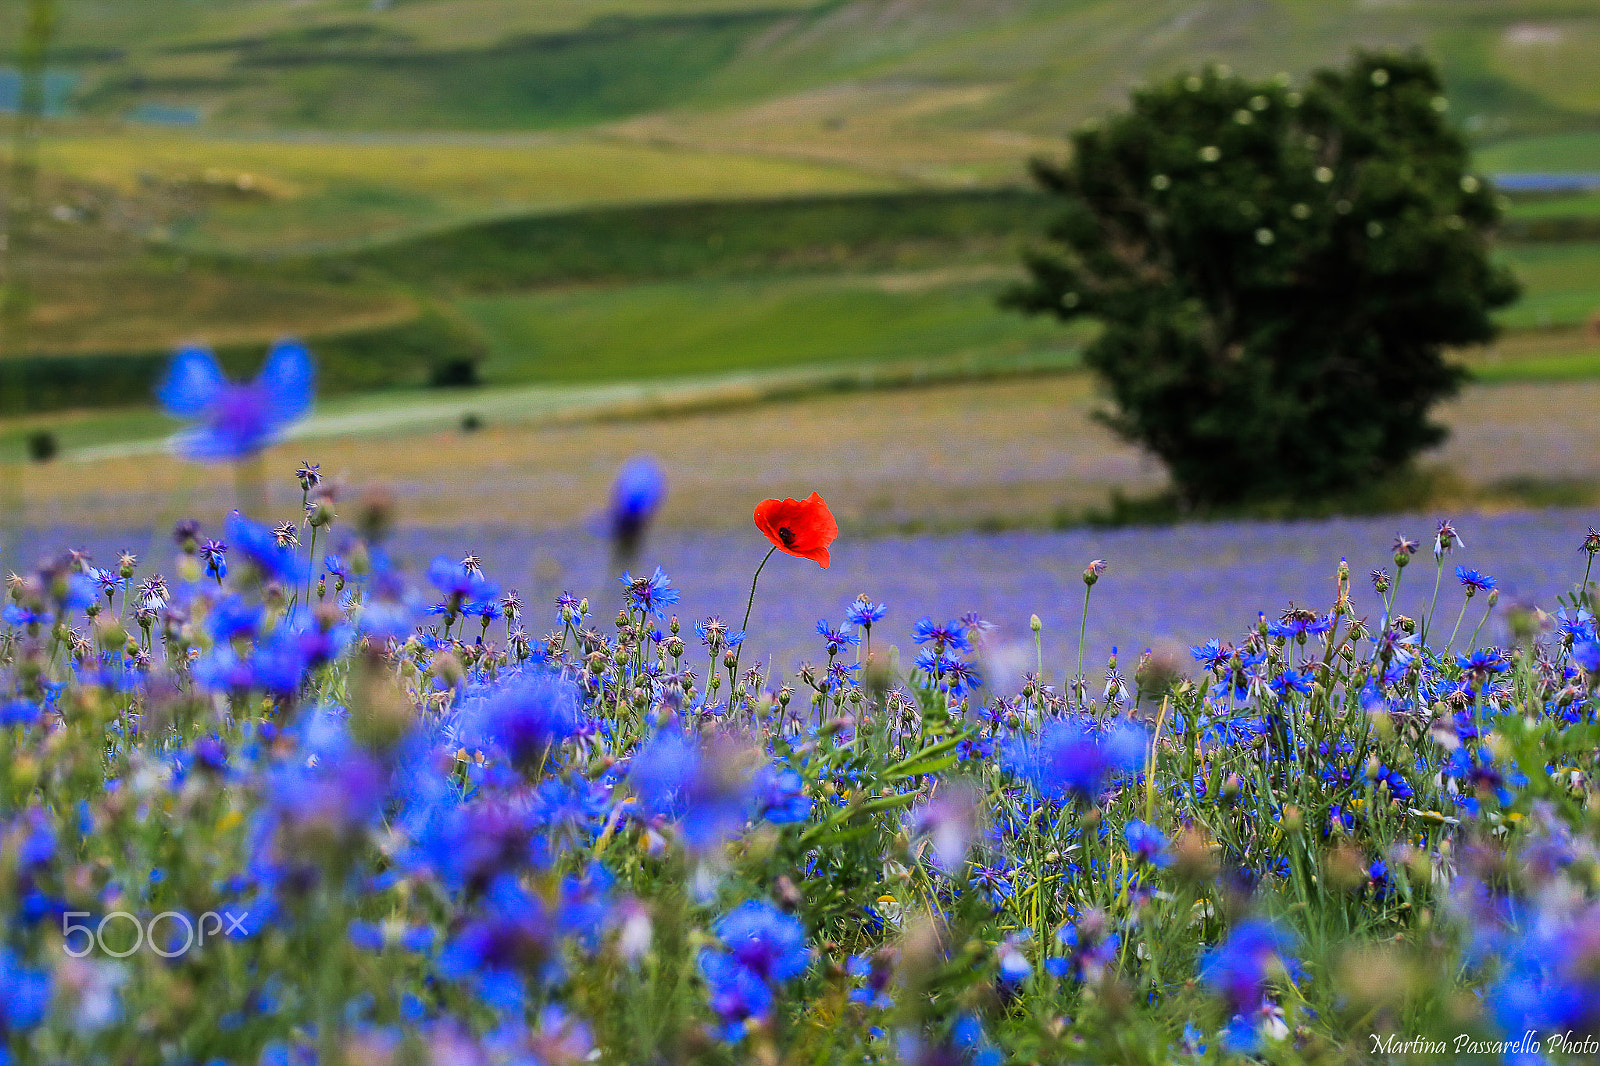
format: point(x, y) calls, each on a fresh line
point(744, 626)
point(1083, 630)
point(1486, 612)
point(1457, 629)
point(1428, 618)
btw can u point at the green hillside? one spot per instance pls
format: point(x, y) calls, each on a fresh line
point(530, 185)
point(844, 72)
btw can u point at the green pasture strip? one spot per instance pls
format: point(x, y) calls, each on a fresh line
point(1572, 150)
point(1574, 367)
point(1561, 284)
point(709, 239)
point(661, 330)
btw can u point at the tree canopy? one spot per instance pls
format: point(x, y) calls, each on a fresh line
point(1278, 270)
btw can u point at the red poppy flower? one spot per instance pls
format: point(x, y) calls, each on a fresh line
point(803, 528)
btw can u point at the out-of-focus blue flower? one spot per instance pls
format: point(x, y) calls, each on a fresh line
point(765, 941)
point(1072, 761)
point(258, 544)
point(234, 617)
point(636, 495)
point(460, 583)
point(737, 993)
point(1148, 843)
point(1239, 968)
point(707, 789)
point(1586, 653)
point(780, 796)
point(527, 715)
point(236, 420)
point(1551, 982)
point(1013, 965)
point(24, 996)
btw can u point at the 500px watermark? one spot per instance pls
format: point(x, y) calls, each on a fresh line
point(144, 932)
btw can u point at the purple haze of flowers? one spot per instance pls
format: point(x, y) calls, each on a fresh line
point(236, 420)
point(1070, 760)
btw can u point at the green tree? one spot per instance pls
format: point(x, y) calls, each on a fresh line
point(1278, 272)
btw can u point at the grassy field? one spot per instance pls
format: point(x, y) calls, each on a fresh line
point(1562, 284)
point(277, 195)
point(663, 330)
point(1572, 150)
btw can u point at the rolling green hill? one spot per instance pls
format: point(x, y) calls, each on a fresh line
point(524, 182)
point(951, 79)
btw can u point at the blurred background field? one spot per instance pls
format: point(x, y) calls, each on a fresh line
point(698, 228)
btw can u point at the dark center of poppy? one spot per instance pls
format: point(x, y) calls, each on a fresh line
point(786, 535)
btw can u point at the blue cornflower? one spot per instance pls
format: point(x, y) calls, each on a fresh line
point(24, 996)
point(636, 495)
point(765, 941)
point(864, 613)
point(236, 420)
point(1239, 968)
point(780, 796)
point(835, 638)
point(527, 715)
point(1148, 843)
point(1483, 662)
point(715, 636)
point(260, 545)
point(1474, 581)
point(1574, 625)
point(993, 883)
point(962, 677)
point(214, 553)
point(651, 594)
point(1069, 761)
point(1291, 681)
point(1213, 654)
point(951, 635)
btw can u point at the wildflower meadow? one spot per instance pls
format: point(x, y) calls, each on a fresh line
point(270, 797)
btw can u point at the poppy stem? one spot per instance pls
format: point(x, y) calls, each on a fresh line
point(745, 625)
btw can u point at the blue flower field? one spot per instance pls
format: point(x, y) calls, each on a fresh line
point(306, 788)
